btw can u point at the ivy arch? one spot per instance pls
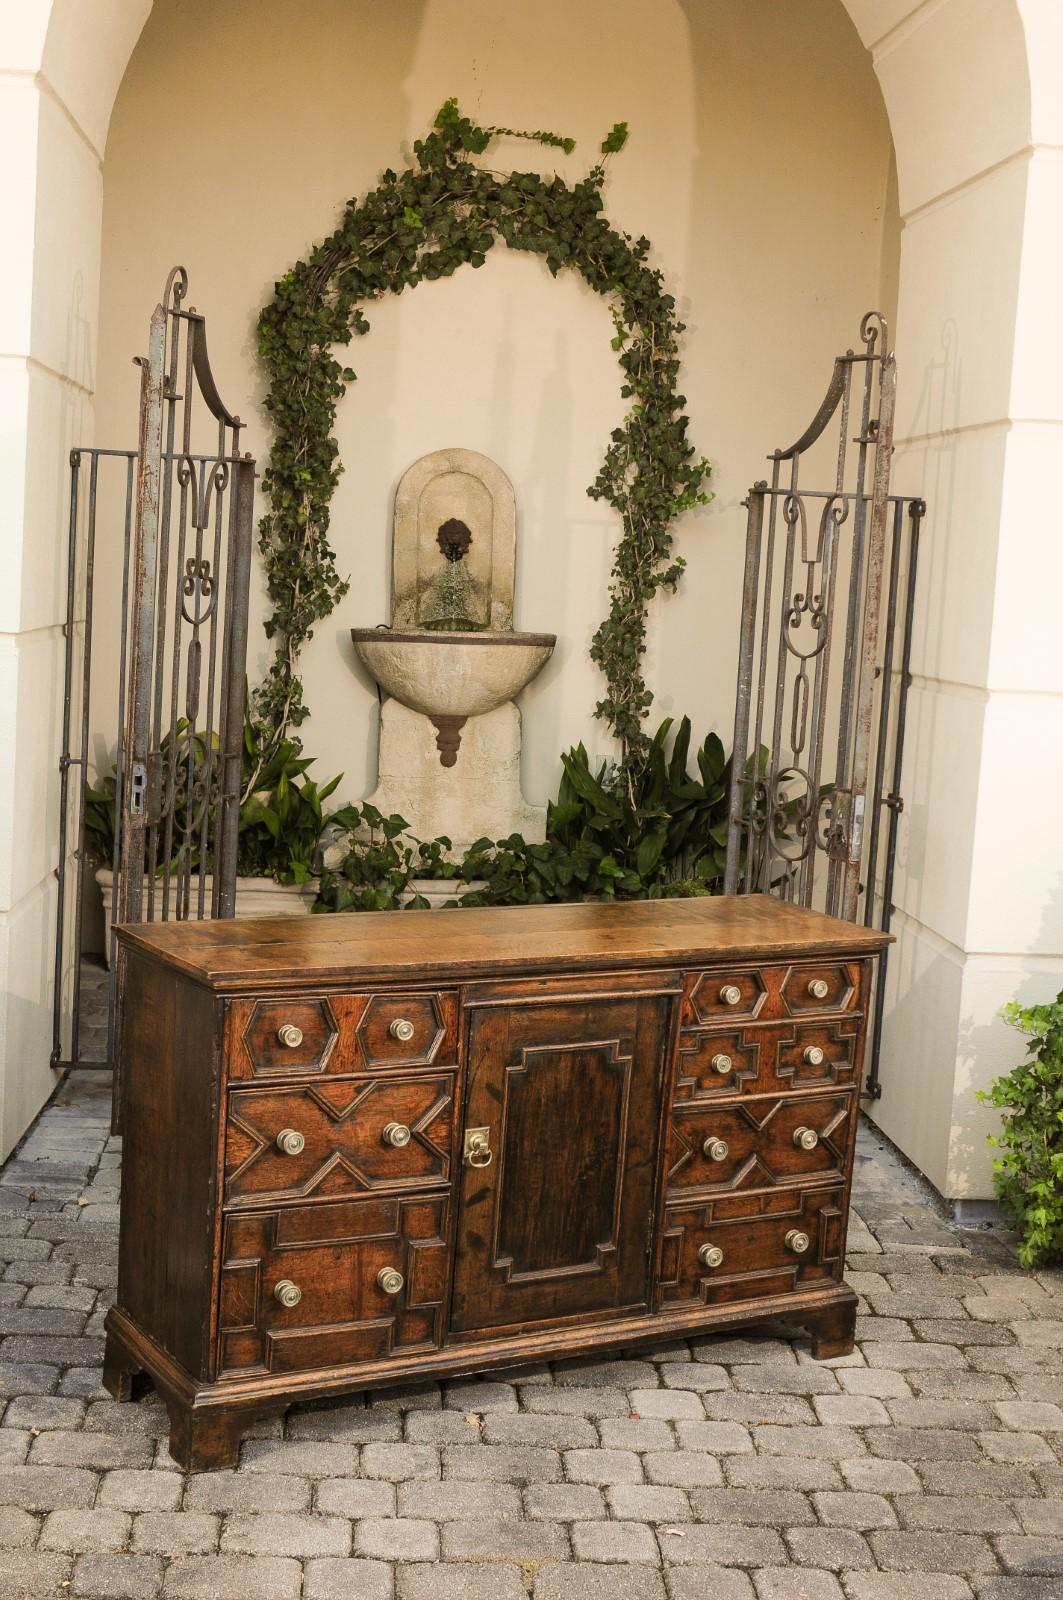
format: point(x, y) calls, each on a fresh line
point(440, 213)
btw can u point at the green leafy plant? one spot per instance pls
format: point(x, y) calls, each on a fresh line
point(282, 817)
point(378, 864)
point(668, 840)
point(423, 223)
point(1029, 1173)
point(662, 834)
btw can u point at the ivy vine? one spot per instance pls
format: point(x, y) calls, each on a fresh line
point(425, 222)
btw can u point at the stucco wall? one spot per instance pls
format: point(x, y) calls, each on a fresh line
point(237, 134)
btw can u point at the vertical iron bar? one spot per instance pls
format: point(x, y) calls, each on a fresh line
point(83, 759)
point(129, 896)
point(782, 661)
point(242, 512)
point(754, 527)
point(882, 741)
point(832, 544)
point(64, 776)
point(857, 777)
point(119, 776)
point(916, 512)
point(835, 888)
point(129, 888)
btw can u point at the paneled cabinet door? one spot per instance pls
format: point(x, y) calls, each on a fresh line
point(561, 1139)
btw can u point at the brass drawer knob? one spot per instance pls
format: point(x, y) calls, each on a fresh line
point(806, 1138)
point(819, 988)
point(716, 1149)
point(396, 1134)
point(290, 1035)
point(796, 1241)
point(814, 1055)
point(730, 994)
point(389, 1280)
point(402, 1029)
point(288, 1293)
point(290, 1142)
point(710, 1255)
point(722, 1063)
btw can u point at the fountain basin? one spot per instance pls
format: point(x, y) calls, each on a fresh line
point(452, 674)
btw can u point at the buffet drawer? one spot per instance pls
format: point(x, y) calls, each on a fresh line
point(767, 1058)
point(342, 1136)
point(769, 993)
point(755, 1143)
point(769, 1243)
point(339, 1034)
point(332, 1285)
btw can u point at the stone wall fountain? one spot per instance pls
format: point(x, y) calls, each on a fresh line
point(450, 662)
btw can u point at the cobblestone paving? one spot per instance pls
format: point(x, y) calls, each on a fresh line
point(927, 1466)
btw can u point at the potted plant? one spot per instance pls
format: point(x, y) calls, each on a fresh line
point(282, 820)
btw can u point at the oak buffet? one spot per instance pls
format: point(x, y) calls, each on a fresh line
point(364, 1150)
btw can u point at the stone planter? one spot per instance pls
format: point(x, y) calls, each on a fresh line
point(437, 891)
point(255, 897)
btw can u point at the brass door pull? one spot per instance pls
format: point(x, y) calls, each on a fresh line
point(290, 1035)
point(797, 1241)
point(288, 1293)
point(806, 1138)
point(814, 1055)
point(396, 1134)
point(477, 1148)
point(710, 1255)
point(402, 1029)
point(290, 1142)
point(715, 1149)
point(722, 1063)
point(819, 988)
point(730, 994)
point(389, 1280)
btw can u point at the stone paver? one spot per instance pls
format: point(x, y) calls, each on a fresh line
point(928, 1466)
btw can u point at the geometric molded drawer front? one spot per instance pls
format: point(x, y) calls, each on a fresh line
point(725, 996)
point(290, 1036)
point(401, 1030)
point(341, 1034)
point(742, 1247)
point(771, 993)
point(309, 1286)
point(792, 1140)
point(338, 1137)
point(765, 1059)
point(814, 989)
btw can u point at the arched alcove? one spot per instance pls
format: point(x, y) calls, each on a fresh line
point(975, 126)
point(775, 231)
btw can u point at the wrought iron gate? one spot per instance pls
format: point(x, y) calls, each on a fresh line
point(184, 500)
point(824, 659)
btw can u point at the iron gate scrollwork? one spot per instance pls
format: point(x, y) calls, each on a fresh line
point(185, 497)
point(824, 661)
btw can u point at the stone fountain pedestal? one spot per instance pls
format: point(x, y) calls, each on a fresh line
point(486, 801)
point(450, 662)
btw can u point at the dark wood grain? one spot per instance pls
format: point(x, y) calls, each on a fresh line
point(170, 1042)
point(719, 1063)
point(559, 1223)
point(761, 1140)
point(342, 1033)
point(342, 1123)
point(333, 1254)
point(292, 951)
point(751, 1231)
point(581, 1038)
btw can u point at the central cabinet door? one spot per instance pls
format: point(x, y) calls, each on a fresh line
point(566, 1096)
